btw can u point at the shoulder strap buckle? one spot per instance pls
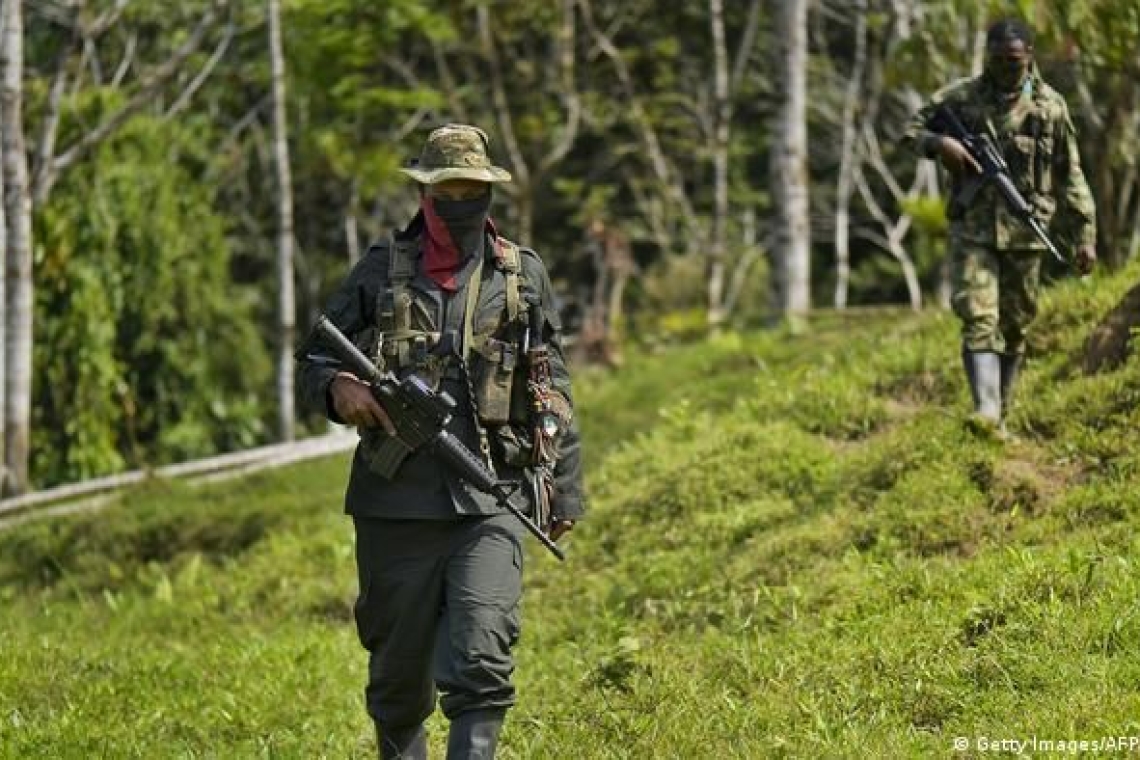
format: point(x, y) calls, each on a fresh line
point(507, 258)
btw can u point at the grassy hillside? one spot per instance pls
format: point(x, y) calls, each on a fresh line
point(795, 550)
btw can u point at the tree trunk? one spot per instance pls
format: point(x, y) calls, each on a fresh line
point(286, 300)
point(3, 294)
point(523, 233)
point(848, 157)
point(351, 223)
point(722, 116)
point(791, 255)
point(18, 256)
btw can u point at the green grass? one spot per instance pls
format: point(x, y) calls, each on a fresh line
point(795, 550)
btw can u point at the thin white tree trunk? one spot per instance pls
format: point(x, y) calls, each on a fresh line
point(18, 255)
point(3, 279)
point(3, 299)
point(528, 175)
point(352, 223)
point(894, 232)
point(286, 299)
point(789, 173)
point(848, 157)
point(722, 119)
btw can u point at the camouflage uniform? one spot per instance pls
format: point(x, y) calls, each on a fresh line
point(440, 563)
point(994, 258)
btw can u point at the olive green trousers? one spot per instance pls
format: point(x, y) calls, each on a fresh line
point(438, 609)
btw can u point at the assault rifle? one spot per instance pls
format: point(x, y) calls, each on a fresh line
point(420, 415)
point(994, 170)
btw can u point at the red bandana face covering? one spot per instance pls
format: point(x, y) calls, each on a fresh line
point(442, 257)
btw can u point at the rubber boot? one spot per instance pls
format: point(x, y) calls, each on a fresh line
point(969, 366)
point(1010, 368)
point(983, 369)
point(474, 735)
point(402, 743)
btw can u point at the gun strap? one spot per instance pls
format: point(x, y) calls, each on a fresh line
point(474, 285)
point(507, 256)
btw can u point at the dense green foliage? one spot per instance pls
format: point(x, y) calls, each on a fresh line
point(155, 308)
point(148, 352)
point(795, 549)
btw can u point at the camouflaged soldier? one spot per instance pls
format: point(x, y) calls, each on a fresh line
point(995, 259)
point(439, 563)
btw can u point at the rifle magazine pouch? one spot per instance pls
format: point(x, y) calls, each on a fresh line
point(510, 446)
point(494, 381)
point(384, 453)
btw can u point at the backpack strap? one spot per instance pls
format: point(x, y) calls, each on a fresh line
point(401, 259)
point(396, 309)
point(507, 258)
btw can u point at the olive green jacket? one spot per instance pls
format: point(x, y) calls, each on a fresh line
point(1037, 138)
point(424, 488)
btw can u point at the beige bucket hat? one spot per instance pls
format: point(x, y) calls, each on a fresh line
point(455, 151)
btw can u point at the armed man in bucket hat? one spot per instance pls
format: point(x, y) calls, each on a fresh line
point(440, 563)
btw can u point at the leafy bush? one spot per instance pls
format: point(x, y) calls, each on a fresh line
point(145, 350)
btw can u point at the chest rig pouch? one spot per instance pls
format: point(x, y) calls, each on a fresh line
point(407, 339)
point(402, 338)
point(406, 333)
point(499, 368)
point(493, 341)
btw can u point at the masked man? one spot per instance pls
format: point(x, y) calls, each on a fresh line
point(995, 259)
point(439, 563)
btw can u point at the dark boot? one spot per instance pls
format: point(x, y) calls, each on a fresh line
point(1010, 367)
point(983, 369)
point(402, 743)
point(969, 366)
point(474, 735)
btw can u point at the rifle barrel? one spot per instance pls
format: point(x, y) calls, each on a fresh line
point(476, 473)
point(347, 351)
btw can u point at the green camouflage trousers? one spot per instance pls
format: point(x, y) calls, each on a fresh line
point(994, 293)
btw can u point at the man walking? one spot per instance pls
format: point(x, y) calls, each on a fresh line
point(439, 563)
point(995, 258)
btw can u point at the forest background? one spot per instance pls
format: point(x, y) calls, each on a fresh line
point(184, 183)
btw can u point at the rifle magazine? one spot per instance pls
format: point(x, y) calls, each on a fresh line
point(383, 453)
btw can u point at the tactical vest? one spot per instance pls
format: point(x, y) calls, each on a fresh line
point(408, 340)
point(489, 365)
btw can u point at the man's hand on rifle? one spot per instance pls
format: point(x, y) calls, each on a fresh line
point(1086, 258)
point(956, 157)
point(560, 528)
point(354, 403)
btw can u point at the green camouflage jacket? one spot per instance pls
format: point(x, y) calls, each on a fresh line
point(423, 488)
point(1037, 138)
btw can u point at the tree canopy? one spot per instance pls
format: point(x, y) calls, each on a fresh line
point(147, 132)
